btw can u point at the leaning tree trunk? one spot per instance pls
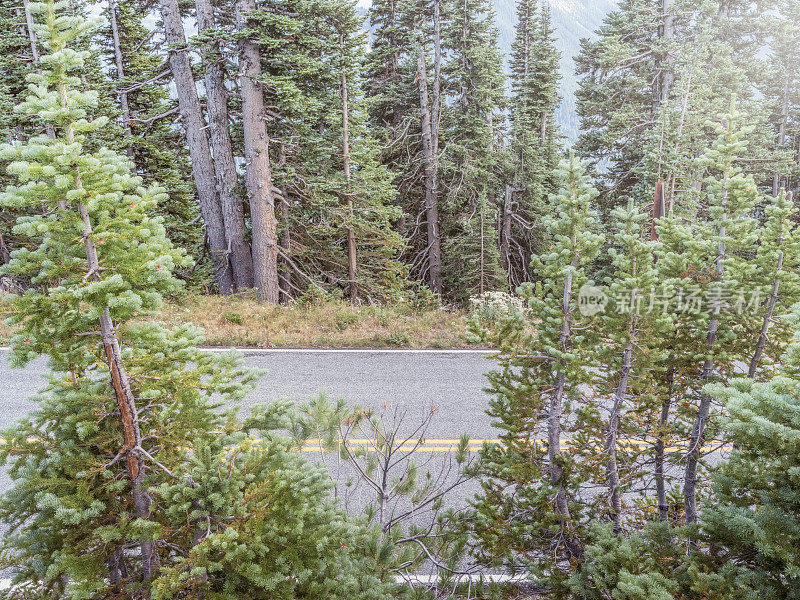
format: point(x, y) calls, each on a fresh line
point(131, 449)
point(699, 427)
point(434, 249)
point(351, 234)
point(770, 312)
point(241, 258)
point(199, 151)
point(258, 177)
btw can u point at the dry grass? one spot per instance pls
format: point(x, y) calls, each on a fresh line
point(235, 321)
point(243, 322)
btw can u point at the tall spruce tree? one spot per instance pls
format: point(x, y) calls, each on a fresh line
point(469, 166)
point(533, 142)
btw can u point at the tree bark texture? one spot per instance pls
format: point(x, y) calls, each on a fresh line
point(241, 258)
point(431, 199)
point(351, 234)
point(258, 177)
point(197, 141)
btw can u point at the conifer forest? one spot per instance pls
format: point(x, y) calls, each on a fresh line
point(622, 237)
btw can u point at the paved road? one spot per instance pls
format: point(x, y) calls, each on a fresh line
point(452, 381)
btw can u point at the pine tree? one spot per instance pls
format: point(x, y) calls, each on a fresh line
point(752, 524)
point(532, 484)
point(705, 264)
point(127, 482)
point(470, 250)
point(630, 325)
point(777, 260)
point(533, 143)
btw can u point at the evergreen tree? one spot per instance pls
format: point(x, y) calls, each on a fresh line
point(470, 251)
point(780, 89)
point(126, 481)
point(615, 101)
point(146, 131)
point(325, 195)
point(530, 485)
point(752, 524)
point(533, 143)
point(629, 326)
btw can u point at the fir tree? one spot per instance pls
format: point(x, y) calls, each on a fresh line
point(327, 193)
point(533, 143)
point(470, 255)
point(752, 524)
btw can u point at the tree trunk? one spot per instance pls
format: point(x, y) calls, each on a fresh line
point(482, 285)
point(129, 415)
point(351, 234)
point(123, 95)
point(612, 468)
point(777, 178)
point(436, 100)
point(661, 489)
point(666, 79)
point(258, 178)
point(554, 454)
point(285, 274)
point(241, 258)
point(505, 229)
point(768, 315)
point(431, 200)
point(698, 430)
point(199, 150)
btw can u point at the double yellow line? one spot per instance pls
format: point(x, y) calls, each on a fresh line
point(451, 445)
point(474, 445)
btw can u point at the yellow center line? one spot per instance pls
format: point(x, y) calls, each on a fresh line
point(451, 445)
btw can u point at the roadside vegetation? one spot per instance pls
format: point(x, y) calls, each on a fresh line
point(243, 322)
point(646, 314)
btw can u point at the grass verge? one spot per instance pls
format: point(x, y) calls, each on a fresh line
point(240, 321)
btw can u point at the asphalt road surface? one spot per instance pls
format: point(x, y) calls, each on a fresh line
point(451, 381)
point(403, 383)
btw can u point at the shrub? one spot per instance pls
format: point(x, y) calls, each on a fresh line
point(233, 317)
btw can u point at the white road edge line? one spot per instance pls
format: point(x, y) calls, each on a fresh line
point(411, 578)
point(251, 351)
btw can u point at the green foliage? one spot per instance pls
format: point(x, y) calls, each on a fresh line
point(754, 521)
point(533, 147)
point(220, 496)
point(644, 566)
point(516, 486)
